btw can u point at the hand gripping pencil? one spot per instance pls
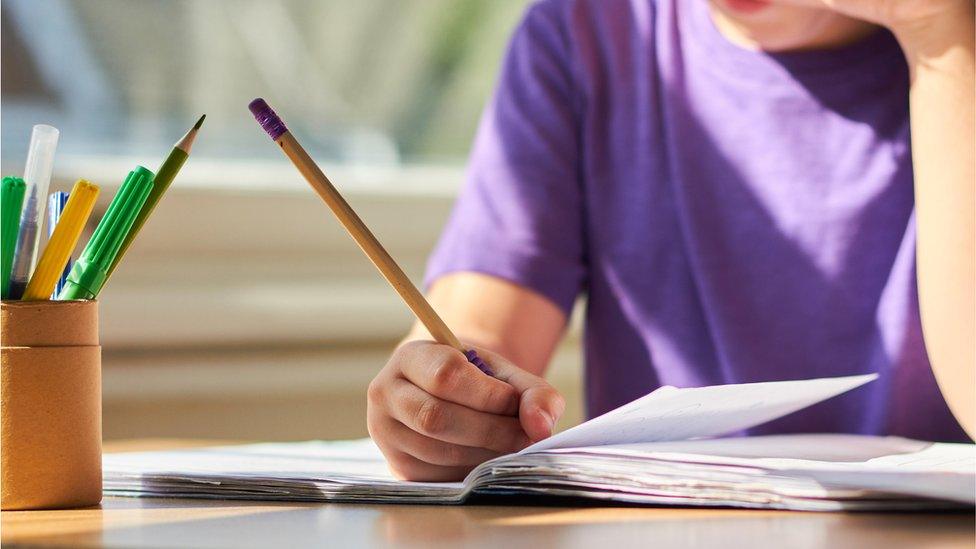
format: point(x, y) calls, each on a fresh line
point(164, 176)
point(91, 270)
point(62, 242)
point(11, 201)
point(359, 232)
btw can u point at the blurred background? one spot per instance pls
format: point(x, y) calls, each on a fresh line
point(243, 311)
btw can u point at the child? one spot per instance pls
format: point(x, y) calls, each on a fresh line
point(730, 183)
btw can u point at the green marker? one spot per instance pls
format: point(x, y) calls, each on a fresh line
point(11, 202)
point(91, 270)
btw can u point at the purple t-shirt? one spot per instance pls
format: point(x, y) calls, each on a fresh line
point(731, 216)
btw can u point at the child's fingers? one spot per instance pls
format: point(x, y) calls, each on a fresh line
point(433, 451)
point(407, 467)
point(540, 405)
point(446, 373)
point(453, 423)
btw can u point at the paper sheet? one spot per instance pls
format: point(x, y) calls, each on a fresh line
point(670, 413)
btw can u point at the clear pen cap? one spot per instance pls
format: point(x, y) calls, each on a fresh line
point(37, 175)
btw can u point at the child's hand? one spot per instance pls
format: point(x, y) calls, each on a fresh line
point(909, 16)
point(436, 416)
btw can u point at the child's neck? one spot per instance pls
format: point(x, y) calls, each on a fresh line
point(794, 31)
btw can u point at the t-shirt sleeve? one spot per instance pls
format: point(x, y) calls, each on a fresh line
point(519, 213)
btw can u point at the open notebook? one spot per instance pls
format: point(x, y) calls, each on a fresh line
point(656, 450)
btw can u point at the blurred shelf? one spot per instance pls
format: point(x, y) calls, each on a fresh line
point(245, 175)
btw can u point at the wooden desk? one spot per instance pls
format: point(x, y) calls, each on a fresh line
point(125, 522)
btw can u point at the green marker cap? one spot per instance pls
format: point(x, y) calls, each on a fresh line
point(89, 273)
point(11, 203)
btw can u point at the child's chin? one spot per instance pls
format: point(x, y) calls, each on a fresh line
point(745, 7)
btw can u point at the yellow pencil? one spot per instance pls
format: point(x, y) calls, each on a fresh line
point(80, 204)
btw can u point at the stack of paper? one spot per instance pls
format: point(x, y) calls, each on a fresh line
point(639, 453)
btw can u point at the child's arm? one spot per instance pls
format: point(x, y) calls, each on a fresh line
point(940, 54)
point(495, 314)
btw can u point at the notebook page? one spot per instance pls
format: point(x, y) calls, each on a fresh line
point(322, 466)
point(819, 447)
point(359, 459)
point(670, 413)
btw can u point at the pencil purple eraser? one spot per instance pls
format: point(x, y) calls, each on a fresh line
point(473, 358)
point(267, 118)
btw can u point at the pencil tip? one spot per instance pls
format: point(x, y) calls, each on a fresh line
point(186, 141)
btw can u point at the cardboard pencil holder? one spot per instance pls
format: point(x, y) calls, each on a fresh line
point(50, 405)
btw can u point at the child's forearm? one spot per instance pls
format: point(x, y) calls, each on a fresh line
point(940, 56)
point(498, 315)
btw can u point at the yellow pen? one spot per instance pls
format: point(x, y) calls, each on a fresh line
point(80, 204)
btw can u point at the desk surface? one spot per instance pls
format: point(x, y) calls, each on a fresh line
point(125, 522)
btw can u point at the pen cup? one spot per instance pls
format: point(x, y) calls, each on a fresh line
point(50, 405)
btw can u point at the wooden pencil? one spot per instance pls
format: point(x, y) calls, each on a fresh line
point(392, 272)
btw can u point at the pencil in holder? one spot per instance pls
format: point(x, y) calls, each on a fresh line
point(50, 405)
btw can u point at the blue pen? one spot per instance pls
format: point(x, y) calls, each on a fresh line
point(55, 205)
